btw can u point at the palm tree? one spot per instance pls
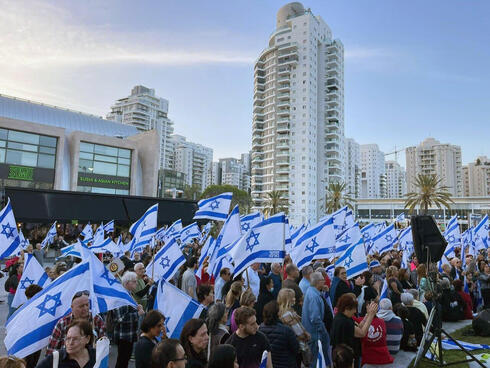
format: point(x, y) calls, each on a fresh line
point(275, 203)
point(429, 192)
point(336, 197)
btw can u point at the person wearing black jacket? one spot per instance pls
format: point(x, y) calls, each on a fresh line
point(284, 345)
point(265, 296)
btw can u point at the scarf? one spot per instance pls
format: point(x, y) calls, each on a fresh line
point(385, 314)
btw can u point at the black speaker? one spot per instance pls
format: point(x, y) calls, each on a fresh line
point(426, 234)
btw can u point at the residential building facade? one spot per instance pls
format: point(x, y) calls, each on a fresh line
point(373, 174)
point(298, 114)
point(353, 167)
point(396, 185)
point(476, 178)
point(434, 158)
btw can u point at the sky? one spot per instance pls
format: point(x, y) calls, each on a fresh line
point(413, 69)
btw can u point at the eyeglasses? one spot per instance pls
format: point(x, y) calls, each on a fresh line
point(78, 294)
point(179, 359)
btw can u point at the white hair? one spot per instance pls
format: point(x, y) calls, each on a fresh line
point(127, 277)
point(139, 265)
point(407, 299)
point(385, 304)
point(315, 277)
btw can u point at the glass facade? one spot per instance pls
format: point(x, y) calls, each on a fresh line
point(27, 160)
point(103, 169)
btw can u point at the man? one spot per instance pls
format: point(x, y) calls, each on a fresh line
point(223, 278)
point(189, 281)
point(80, 309)
point(446, 272)
point(39, 254)
point(143, 284)
point(252, 279)
point(305, 281)
point(169, 353)
point(394, 325)
point(275, 275)
point(456, 270)
point(248, 341)
point(313, 317)
point(292, 274)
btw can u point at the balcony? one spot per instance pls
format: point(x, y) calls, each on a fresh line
point(282, 179)
point(284, 79)
point(283, 96)
point(283, 71)
point(282, 187)
point(284, 112)
point(282, 129)
point(283, 104)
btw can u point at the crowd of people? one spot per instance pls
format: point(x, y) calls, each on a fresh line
point(275, 308)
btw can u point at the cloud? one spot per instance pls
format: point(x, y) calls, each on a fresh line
point(38, 35)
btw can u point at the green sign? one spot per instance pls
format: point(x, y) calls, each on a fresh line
point(21, 173)
point(103, 181)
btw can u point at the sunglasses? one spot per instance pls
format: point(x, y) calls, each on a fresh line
point(179, 359)
point(78, 294)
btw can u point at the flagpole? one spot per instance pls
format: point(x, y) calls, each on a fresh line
point(153, 259)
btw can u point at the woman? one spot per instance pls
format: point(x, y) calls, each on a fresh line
point(373, 346)
point(78, 350)
point(218, 331)
point(265, 296)
point(246, 300)
point(404, 278)
point(408, 341)
point(288, 316)
point(484, 279)
point(194, 339)
point(232, 300)
point(284, 345)
point(422, 281)
point(11, 284)
point(168, 354)
point(223, 357)
point(125, 321)
point(151, 328)
point(468, 304)
point(12, 362)
point(345, 330)
point(394, 285)
point(368, 293)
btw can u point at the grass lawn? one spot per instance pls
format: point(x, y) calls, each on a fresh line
point(455, 355)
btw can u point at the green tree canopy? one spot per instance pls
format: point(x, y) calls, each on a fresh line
point(429, 192)
point(275, 203)
point(336, 197)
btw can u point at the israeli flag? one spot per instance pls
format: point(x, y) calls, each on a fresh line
point(71, 250)
point(99, 235)
point(52, 232)
point(205, 232)
point(400, 217)
point(263, 243)
point(443, 261)
point(453, 234)
point(347, 238)
point(354, 260)
point(168, 296)
point(188, 233)
point(263, 360)
point(145, 228)
point(368, 232)
point(296, 233)
point(87, 233)
point(385, 240)
point(45, 308)
point(109, 227)
point(405, 261)
point(467, 240)
point(322, 362)
point(316, 243)
point(405, 240)
point(23, 241)
point(107, 245)
point(214, 208)
point(102, 348)
point(166, 262)
point(249, 221)
point(9, 236)
point(480, 234)
point(206, 248)
point(172, 232)
point(287, 236)
point(229, 234)
point(338, 219)
point(160, 233)
point(384, 290)
point(33, 273)
point(348, 221)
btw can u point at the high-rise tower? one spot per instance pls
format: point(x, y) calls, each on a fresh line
point(298, 114)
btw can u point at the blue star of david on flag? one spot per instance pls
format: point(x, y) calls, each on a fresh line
point(388, 238)
point(349, 260)
point(51, 310)
point(255, 237)
point(165, 262)
point(311, 247)
point(105, 276)
point(25, 281)
point(167, 320)
point(346, 238)
point(215, 204)
point(245, 227)
point(365, 235)
point(451, 238)
point(8, 231)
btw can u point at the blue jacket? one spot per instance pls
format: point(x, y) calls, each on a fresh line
point(313, 313)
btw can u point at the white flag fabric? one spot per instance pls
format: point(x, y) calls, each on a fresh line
point(263, 360)
point(368, 232)
point(102, 348)
point(188, 233)
point(263, 243)
point(347, 238)
point(52, 232)
point(43, 312)
point(453, 235)
point(321, 362)
point(99, 235)
point(385, 239)
point(168, 297)
point(33, 273)
point(172, 232)
point(23, 241)
point(9, 236)
point(214, 208)
point(405, 240)
point(145, 228)
point(400, 217)
point(72, 250)
point(315, 243)
point(384, 290)
point(353, 260)
point(107, 245)
point(206, 249)
point(296, 233)
point(480, 234)
point(166, 262)
point(109, 227)
point(250, 220)
point(87, 233)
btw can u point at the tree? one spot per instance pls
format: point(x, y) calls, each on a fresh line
point(336, 197)
point(192, 192)
point(275, 203)
point(240, 197)
point(429, 192)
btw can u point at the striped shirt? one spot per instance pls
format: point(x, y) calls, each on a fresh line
point(394, 333)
